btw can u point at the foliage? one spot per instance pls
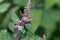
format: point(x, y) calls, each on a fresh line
point(45, 14)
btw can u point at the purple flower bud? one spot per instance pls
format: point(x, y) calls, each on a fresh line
point(28, 20)
point(25, 19)
point(21, 23)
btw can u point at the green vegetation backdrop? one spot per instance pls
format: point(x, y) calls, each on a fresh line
point(45, 15)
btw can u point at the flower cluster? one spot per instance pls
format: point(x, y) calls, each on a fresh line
point(24, 19)
point(20, 24)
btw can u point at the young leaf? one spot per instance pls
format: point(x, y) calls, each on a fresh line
point(20, 2)
point(50, 3)
point(36, 16)
point(9, 15)
point(34, 37)
point(29, 27)
point(4, 7)
point(4, 35)
point(48, 21)
point(14, 17)
point(11, 26)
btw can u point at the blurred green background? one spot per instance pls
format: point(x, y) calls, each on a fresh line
point(45, 13)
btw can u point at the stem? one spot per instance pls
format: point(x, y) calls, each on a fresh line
point(18, 37)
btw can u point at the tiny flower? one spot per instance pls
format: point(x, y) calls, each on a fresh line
point(21, 23)
point(44, 37)
point(25, 19)
point(28, 20)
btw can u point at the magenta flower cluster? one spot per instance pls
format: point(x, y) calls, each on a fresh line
point(21, 22)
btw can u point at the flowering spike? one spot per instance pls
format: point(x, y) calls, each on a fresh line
point(24, 19)
point(27, 8)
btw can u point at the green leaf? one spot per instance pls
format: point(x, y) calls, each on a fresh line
point(8, 16)
point(33, 37)
point(57, 38)
point(6, 20)
point(49, 20)
point(50, 3)
point(26, 38)
point(21, 2)
point(21, 29)
point(14, 17)
point(29, 27)
point(4, 7)
point(4, 35)
point(28, 35)
point(36, 16)
point(11, 26)
point(59, 3)
point(1, 1)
